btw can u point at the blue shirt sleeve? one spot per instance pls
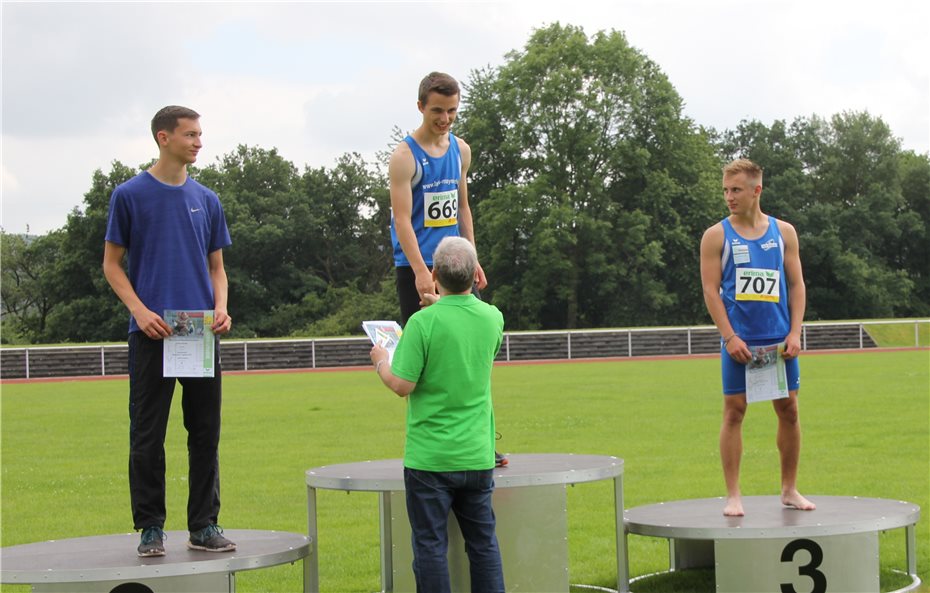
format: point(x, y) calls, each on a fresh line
point(118, 223)
point(219, 232)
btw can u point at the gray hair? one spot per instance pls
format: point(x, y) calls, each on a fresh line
point(455, 262)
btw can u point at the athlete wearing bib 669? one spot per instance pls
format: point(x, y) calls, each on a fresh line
point(754, 291)
point(428, 174)
point(429, 193)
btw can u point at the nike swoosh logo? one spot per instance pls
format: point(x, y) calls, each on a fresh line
point(195, 209)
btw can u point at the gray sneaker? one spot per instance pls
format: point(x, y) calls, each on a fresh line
point(153, 542)
point(210, 539)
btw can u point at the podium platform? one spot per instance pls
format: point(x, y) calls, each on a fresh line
point(108, 563)
point(529, 500)
point(778, 548)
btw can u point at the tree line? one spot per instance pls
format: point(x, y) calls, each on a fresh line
point(590, 191)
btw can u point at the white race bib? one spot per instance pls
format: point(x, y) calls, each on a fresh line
point(756, 284)
point(440, 208)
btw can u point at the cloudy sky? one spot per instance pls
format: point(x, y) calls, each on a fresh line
point(81, 81)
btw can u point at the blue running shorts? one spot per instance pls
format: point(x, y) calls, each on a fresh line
point(734, 373)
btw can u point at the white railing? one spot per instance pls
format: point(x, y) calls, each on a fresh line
point(507, 347)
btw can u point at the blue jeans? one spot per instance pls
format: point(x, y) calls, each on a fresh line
point(430, 497)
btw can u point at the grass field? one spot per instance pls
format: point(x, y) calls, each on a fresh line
point(901, 334)
point(866, 419)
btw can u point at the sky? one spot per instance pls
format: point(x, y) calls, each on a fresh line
point(81, 80)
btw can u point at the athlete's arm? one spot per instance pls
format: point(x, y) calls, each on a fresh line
point(148, 321)
point(222, 322)
point(711, 277)
point(466, 222)
point(401, 169)
point(797, 292)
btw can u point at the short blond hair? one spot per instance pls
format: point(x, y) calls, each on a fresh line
point(751, 169)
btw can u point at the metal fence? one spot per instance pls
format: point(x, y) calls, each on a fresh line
point(112, 359)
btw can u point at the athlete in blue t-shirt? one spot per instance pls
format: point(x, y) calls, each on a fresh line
point(429, 192)
point(173, 230)
point(754, 291)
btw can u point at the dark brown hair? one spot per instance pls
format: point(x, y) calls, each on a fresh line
point(437, 82)
point(167, 118)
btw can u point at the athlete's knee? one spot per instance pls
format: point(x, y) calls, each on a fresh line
point(733, 414)
point(787, 411)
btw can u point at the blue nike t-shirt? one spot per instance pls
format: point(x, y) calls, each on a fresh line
point(168, 232)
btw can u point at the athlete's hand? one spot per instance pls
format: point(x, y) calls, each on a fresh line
point(738, 350)
point(480, 278)
point(152, 324)
point(428, 298)
point(425, 285)
point(792, 346)
point(222, 322)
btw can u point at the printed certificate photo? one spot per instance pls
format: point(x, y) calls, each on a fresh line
point(189, 349)
point(385, 334)
point(765, 374)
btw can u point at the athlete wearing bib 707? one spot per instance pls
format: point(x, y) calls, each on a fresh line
point(754, 291)
point(429, 192)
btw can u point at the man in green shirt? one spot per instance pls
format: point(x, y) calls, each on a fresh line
point(443, 363)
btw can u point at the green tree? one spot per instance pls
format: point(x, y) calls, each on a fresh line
point(16, 287)
point(259, 192)
point(913, 254)
point(339, 311)
point(349, 207)
point(859, 203)
point(590, 188)
point(25, 288)
point(87, 310)
point(298, 237)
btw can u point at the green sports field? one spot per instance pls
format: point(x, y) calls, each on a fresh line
point(865, 416)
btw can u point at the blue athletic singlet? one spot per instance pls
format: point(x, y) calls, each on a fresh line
point(434, 212)
point(753, 286)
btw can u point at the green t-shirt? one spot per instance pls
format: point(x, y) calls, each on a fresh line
point(448, 350)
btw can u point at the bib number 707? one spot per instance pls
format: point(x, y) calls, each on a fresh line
point(757, 284)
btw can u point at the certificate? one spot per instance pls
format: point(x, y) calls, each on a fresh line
point(188, 351)
point(765, 374)
point(385, 334)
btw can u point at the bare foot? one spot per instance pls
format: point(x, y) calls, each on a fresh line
point(795, 500)
point(734, 507)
